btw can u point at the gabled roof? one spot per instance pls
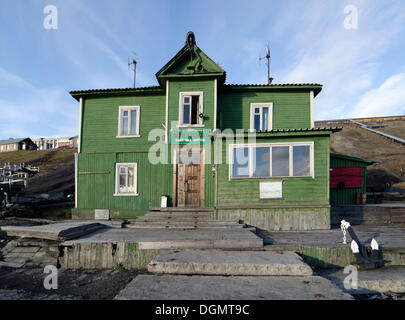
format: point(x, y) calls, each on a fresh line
point(12, 140)
point(190, 61)
point(345, 157)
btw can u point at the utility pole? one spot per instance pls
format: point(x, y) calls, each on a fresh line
point(132, 65)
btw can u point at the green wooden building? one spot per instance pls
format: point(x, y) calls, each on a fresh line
point(243, 150)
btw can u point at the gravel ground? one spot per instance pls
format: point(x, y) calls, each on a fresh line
point(27, 283)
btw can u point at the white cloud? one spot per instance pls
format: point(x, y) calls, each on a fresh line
point(345, 61)
point(388, 99)
point(27, 110)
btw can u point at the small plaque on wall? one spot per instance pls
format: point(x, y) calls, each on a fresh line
point(271, 190)
point(101, 214)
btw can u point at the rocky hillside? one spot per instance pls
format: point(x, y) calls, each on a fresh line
point(357, 142)
point(56, 169)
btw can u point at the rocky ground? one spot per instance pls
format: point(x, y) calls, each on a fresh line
point(27, 284)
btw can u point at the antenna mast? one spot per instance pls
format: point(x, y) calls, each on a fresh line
point(132, 65)
point(267, 57)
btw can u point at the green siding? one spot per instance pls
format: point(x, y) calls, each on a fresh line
point(100, 123)
point(290, 109)
point(206, 86)
point(97, 182)
point(347, 195)
point(296, 191)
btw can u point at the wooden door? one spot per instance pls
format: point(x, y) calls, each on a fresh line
point(189, 184)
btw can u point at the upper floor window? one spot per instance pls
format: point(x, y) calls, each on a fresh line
point(191, 108)
point(128, 121)
point(261, 117)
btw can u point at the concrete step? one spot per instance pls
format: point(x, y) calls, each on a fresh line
point(230, 263)
point(178, 214)
point(176, 218)
point(57, 231)
point(162, 225)
point(178, 209)
point(179, 287)
point(185, 221)
point(203, 239)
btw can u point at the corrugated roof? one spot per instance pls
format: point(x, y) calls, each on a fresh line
point(273, 85)
point(76, 92)
point(343, 156)
point(12, 140)
point(334, 129)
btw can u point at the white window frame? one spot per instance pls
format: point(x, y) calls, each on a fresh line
point(291, 160)
point(129, 109)
point(201, 108)
point(252, 112)
point(117, 179)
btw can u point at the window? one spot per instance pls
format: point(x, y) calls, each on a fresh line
point(267, 160)
point(261, 117)
point(126, 179)
point(128, 121)
point(191, 108)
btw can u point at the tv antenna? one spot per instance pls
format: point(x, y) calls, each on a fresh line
point(267, 57)
point(132, 65)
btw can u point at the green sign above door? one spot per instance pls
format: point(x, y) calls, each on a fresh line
point(181, 136)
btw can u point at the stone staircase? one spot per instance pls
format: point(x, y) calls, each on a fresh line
point(230, 275)
point(187, 218)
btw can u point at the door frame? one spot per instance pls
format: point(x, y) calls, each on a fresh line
point(176, 152)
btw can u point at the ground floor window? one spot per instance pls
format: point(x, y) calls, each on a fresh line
point(266, 160)
point(126, 179)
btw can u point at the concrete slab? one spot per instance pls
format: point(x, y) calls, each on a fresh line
point(383, 280)
point(246, 263)
point(57, 231)
point(167, 287)
point(386, 236)
point(175, 239)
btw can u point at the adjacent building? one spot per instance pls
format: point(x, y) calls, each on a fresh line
point(244, 151)
point(13, 144)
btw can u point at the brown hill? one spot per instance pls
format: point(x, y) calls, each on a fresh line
point(357, 142)
point(56, 169)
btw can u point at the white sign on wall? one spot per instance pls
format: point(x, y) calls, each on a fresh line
point(271, 190)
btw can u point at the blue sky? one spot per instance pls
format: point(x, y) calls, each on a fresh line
point(362, 70)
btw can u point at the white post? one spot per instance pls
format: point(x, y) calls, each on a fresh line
point(79, 138)
point(311, 97)
point(215, 103)
point(76, 178)
point(167, 113)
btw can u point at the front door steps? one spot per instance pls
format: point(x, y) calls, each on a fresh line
point(182, 218)
point(230, 275)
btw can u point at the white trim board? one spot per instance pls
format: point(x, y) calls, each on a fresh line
point(260, 105)
point(201, 107)
point(138, 116)
point(276, 144)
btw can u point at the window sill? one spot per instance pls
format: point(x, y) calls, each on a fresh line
point(270, 178)
point(190, 126)
point(130, 136)
point(126, 194)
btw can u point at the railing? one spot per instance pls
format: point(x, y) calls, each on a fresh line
point(391, 137)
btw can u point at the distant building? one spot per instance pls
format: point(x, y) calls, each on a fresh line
point(12, 144)
point(54, 143)
point(73, 141)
